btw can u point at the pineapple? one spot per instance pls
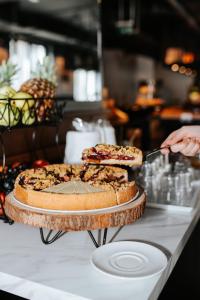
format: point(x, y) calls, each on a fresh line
point(38, 88)
point(7, 71)
point(42, 87)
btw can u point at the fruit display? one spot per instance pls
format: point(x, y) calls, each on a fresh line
point(7, 71)
point(8, 174)
point(39, 163)
point(12, 103)
point(34, 102)
point(9, 116)
point(22, 101)
point(42, 88)
point(6, 92)
point(28, 117)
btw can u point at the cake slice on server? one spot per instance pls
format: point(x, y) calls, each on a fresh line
point(113, 155)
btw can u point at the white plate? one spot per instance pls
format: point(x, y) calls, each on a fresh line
point(74, 211)
point(129, 259)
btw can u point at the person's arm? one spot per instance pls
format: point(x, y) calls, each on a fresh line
point(185, 140)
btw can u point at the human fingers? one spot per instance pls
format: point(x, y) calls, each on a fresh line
point(192, 148)
point(170, 136)
point(190, 144)
point(195, 150)
point(175, 137)
point(179, 147)
point(165, 151)
point(198, 140)
point(188, 147)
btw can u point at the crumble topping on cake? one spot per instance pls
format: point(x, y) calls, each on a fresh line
point(112, 185)
point(106, 173)
point(50, 175)
point(112, 154)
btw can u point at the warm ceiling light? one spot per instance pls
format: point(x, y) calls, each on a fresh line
point(173, 55)
point(175, 67)
point(182, 70)
point(188, 72)
point(188, 57)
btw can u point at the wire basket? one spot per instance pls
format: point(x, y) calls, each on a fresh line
point(30, 112)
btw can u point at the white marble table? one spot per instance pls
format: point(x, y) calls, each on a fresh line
point(62, 270)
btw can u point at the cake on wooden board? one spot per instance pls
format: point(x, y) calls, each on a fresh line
point(74, 187)
point(95, 185)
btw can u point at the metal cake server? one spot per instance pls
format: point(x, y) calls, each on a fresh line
point(154, 151)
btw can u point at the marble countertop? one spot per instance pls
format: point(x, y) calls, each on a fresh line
point(62, 270)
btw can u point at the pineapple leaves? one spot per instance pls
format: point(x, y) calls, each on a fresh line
point(46, 70)
point(7, 71)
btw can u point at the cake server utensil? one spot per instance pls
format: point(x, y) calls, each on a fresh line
point(154, 152)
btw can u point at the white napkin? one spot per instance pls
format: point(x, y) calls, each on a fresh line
point(76, 142)
point(109, 134)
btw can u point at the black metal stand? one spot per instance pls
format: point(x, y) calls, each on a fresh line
point(102, 241)
point(5, 219)
point(49, 239)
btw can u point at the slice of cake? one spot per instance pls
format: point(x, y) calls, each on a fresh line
point(112, 154)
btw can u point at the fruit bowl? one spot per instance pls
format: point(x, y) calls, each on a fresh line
point(23, 110)
point(34, 103)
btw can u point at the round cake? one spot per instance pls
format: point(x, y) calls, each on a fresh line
point(74, 187)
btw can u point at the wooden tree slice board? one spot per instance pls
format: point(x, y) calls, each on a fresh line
point(76, 221)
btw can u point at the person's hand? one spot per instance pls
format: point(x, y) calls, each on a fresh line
point(185, 140)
